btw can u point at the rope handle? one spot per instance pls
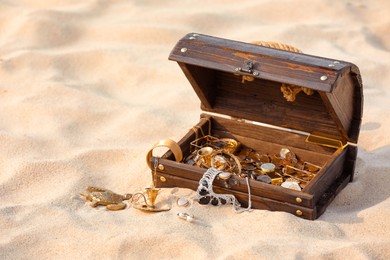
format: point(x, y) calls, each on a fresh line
point(289, 91)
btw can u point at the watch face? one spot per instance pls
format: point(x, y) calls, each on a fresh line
point(267, 167)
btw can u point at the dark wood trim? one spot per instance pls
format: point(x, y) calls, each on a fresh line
point(211, 66)
point(258, 202)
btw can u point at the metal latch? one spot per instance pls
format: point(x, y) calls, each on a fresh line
point(247, 67)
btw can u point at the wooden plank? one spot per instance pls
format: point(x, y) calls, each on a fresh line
point(328, 174)
point(248, 49)
point(202, 80)
point(350, 162)
point(339, 103)
point(206, 55)
point(267, 134)
point(226, 55)
point(257, 201)
point(329, 195)
point(336, 109)
point(264, 190)
point(357, 104)
point(262, 101)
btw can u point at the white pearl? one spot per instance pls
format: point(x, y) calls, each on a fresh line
point(182, 202)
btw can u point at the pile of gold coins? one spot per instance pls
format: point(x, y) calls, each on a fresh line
point(228, 155)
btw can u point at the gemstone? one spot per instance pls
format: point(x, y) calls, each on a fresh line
point(283, 152)
point(224, 175)
point(203, 192)
point(215, 202)
point(290, 155)
point(219, 162)
point(204, 200)
point(264, 178)
point(186, 216)
point(291, 185)
point(182, 202)
point(189, 218)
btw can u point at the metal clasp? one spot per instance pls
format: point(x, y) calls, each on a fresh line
point(247, 67)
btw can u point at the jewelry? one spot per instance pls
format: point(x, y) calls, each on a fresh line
point(283, 152)
point(264, 178)
point(148, 204)
point(206, 195)
point(203, 156)
point(311, 167)
point(219, 162)
point(111, 200)
point(275, 177)
point(182, 202)
point(172, 145)
point(186, 216)
point(152, 195)
point(224, 176)
point(217, 153)
point(233, 165)
point(267, 167)
point(291, 185)
point(227, 145)
point(264, 158)
point(297, 174)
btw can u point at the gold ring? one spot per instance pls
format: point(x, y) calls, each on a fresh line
point(235, 158)
point(172, 145)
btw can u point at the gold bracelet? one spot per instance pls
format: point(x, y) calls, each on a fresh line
point(172, 145)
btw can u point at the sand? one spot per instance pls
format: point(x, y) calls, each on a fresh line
point(86, 89)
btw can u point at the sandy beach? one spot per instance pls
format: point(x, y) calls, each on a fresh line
point(86, 88)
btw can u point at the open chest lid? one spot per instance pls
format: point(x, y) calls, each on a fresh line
point(245, 81)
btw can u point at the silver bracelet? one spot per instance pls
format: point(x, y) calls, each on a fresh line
point(206, 195)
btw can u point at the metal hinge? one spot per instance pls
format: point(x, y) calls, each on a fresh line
point(326, 140)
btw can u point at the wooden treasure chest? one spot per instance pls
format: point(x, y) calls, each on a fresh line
point(285, 124)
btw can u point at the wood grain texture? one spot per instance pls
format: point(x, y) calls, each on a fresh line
point(315, 197)
point(258, 202)
point(210, 64)
point(276, 65)
point(212, 67)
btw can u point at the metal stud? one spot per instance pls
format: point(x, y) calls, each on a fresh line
point(192, 38)
point(336, 62)
point(237, 69)
point(195, 34)
point(183, 49)
point(324, 78)
point(298, 199)
point(299, 212)
point(161, 167)
point(331, 65)
point(255, 73)
point(163, 179)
